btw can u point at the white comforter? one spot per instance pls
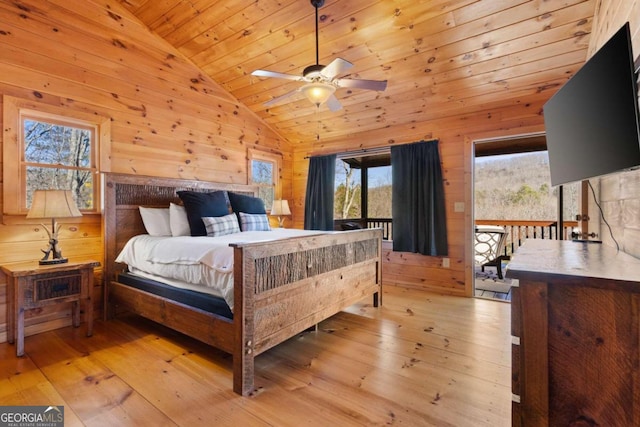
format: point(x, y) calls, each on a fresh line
point(201, 263)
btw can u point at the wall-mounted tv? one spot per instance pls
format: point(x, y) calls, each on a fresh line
point(592, 122)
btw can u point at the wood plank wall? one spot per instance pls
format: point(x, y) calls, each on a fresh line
point(167, 118)
point(456, 134)
point(619, 194)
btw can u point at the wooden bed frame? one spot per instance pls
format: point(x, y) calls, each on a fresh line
point(279, 289)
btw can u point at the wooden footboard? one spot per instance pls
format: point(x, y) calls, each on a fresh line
point(288, 286)
point(280, 288)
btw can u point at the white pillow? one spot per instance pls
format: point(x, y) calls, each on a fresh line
point(221, 225)
point(156, 221)
point(178, 221)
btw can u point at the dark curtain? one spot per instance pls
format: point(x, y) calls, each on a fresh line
point(318, 205)
point(418, 199)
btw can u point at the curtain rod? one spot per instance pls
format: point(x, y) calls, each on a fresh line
point(369, 151)
point(361, 152)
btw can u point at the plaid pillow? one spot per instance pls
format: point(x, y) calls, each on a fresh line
point(221, 225)
point(254, 222)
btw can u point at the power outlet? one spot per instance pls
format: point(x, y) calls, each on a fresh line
point(458, 207)
point(445, 263)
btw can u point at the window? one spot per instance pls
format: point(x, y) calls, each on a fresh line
point(363, 186)
point(362, 190)
point(264, 171)
point(55, 148)
point(59, 156)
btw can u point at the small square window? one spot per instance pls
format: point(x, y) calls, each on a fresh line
point(59, 157)
point(56, 149)
point(263, 172)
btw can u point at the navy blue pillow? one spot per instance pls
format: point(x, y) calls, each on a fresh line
point(246, 204)
point(200, 205)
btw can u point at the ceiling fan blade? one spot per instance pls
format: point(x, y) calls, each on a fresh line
point(280, 98)
point(264, 73)
point(333, 103)
point(335, 68)
point(378, 85)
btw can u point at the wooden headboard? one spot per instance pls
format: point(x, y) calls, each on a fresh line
point(123, 195)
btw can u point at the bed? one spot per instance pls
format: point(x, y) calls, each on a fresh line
point(280, 287)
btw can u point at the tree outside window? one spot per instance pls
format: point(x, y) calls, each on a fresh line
point(518, 187)
point(59, 156)
point(264, 171)
point(379, 192)
point(347, 196)
point(262, 175)
point(350, 187)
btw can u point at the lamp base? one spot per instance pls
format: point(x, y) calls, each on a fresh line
point(53, 261)
point(53, 249)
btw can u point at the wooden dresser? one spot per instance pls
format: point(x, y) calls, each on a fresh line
point(575, 325)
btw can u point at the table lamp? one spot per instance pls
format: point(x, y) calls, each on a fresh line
point(53, 204)
point(280, 208)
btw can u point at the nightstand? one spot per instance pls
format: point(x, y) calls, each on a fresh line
point(30, 285)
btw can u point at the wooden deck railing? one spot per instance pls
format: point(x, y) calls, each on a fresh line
point(519, 231)
point(384, 223)
point(349, 224)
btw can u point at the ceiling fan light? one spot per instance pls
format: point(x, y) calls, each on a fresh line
point(318, 93)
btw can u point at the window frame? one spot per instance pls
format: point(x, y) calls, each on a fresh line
point(276, 159)
point(15, 110)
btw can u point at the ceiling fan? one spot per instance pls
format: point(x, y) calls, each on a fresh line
point(321, 81)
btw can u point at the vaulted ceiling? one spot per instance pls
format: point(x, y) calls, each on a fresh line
point(440, 57)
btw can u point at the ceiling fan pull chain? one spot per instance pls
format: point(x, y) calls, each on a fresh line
point(317, 5)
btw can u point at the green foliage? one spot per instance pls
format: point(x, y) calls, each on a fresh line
point(524, 195)
point(518, 188)
point(352, 211)
point(379, 202)
point(544, 189)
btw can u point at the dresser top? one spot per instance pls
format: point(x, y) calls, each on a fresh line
point(539, 258)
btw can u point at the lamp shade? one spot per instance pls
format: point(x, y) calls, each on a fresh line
point(318, 93)
point(53, 204)
point(280, 207)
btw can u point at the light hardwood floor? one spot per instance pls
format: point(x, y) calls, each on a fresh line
point(420, 360)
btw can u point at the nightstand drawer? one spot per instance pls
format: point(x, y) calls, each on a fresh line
point(56, 286)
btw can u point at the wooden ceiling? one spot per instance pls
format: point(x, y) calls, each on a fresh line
point(441, 57)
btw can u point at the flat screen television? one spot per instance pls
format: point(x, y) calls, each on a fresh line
point(591, 123)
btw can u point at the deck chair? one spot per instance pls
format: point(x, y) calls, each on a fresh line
point(489, 247)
